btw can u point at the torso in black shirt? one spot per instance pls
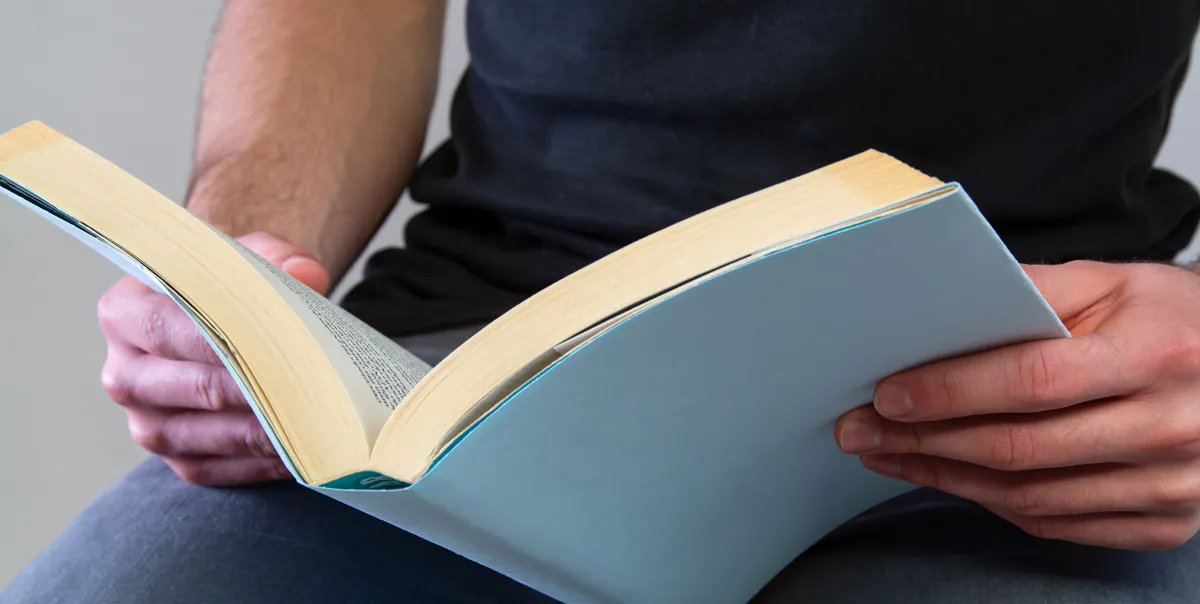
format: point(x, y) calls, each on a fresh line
point(582, 125)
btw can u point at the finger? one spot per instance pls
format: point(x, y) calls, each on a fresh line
point(200, 433)
point(154, 324)
point(1145, 532)
point(1075, 288)
point(145, 381)
point(1166, 488)
point(1117, 431)
point(127, 286)
point(293, 259)
point(227, 471)
point(1023, 378)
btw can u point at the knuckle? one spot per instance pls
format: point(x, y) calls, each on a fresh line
point(951, 390)
point(1180, 434)
point(153, 327)
point(148, 436)
point(1033, 374)
point(1175, 494)
point(1026, 500)
point(116, 385)
point(256, 441)
point(1179, 353)
point(208, 391)
point(1012, 449)
point(278, 471)
point(108, 311)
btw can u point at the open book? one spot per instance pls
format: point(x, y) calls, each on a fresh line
point(655, 427)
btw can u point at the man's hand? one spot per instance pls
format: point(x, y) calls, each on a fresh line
point(1093, 439)
point(182, 403)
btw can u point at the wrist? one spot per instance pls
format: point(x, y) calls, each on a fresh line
point(239, 206)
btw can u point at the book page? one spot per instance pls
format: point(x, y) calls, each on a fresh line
point(377, 372)
point(131, 266)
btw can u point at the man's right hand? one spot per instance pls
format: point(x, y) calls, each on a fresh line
point(182, 403)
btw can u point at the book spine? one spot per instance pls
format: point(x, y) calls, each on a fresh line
point(366, 481)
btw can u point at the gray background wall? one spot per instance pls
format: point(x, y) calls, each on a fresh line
point(122, 77)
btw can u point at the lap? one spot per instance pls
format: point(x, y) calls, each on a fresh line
point(154, 538)
point(959, 553)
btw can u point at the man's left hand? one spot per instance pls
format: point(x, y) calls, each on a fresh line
point(1093, 439)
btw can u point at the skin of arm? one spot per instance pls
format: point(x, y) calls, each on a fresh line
point(313, 118)
point(312, 121)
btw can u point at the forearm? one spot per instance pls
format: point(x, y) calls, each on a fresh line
point(313, 118)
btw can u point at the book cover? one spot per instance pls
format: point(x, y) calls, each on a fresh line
point(687, 454)
point(683, 451)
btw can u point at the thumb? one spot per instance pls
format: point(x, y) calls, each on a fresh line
point(306, 269)
point(1074, 287)
point(296, 261)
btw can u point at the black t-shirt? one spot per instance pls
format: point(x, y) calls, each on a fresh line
point(581, 126)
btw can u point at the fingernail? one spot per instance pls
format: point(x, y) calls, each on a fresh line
point(858, 436)
point(294, 262)
point(887, 465)
point(893, 401)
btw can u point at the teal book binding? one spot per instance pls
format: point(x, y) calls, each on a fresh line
point(687, 454)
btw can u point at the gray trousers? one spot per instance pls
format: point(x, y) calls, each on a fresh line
point(152, 538)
